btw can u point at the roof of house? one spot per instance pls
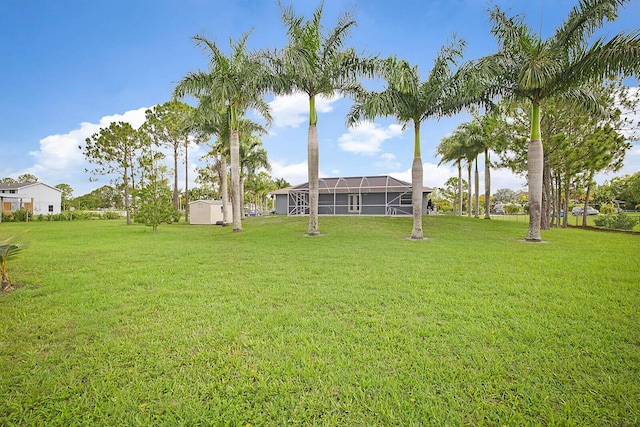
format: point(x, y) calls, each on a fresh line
point(356, 184)
point(22, 185)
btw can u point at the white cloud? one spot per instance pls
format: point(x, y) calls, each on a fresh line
point(294, 174)
point(388, 161)
point(61, 151)
point(293, 110)
point(631, 166)
point(432, 174)
point(436, 176)
point(367, 137)
point(504, 178)
point(60, 159)
point(631, 129)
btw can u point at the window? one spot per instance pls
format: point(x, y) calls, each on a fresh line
point(354, 203)
point(50, 208)
point(12, 191)
point(405, 199)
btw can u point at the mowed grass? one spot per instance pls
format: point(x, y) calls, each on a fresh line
point(573, 221)
point(112, 325)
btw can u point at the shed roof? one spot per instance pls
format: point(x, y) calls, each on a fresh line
point(206, 202)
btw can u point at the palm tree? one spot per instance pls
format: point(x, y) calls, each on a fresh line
point(411, 100)
point(9, 249)
point(529, 68)
point(237, 81)
point(317, 65)
point(451, 148)
point(252, 158)
point(474, 139)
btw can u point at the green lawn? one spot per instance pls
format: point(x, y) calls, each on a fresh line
point(574, 221)
point(111, 325)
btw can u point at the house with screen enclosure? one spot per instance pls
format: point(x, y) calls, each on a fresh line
point(35, 197)
point(358, 195)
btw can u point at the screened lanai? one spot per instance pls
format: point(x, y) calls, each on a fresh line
point(362, 195)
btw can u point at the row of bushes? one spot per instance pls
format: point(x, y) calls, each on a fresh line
point(22, 216)
point(620, 221)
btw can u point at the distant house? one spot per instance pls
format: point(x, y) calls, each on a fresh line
point(362, 195)
point(35, 197)
point(206, 212)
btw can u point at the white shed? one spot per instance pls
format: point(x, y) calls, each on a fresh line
point(206, 212)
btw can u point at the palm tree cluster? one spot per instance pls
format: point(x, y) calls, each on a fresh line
point(316, 62)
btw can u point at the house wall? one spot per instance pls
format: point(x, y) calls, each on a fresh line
point(46, 200)
point(371, 204)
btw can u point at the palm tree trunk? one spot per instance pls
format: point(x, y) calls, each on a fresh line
point(6, 283)
point(186, 179)
point(224, 189)
point(236, 209)
point(416, 184)
point(416, 198)
point(557, 200)
point(477, 191)
point(459, 188)
point(313, 159)
point(469, 196)
point(535, 159)
point(487, 185)
point(242, 192)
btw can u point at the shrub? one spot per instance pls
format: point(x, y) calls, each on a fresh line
point(512, 209)
point(22, 216)
point(111, 215)
point(607, 209)
point(620, 221)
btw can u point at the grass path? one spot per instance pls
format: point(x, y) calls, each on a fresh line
point(111, 325)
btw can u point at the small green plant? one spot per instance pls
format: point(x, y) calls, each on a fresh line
point(620, 221)
point(512, 209)
point(607, 209)
point(8, 249)
point(22, 215)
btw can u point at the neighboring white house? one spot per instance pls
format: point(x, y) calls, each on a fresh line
point(206, 212)
point(35, 197)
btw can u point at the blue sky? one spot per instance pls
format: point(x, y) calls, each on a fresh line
point(71, 66)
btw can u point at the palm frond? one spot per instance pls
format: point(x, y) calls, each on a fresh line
point(584, 99)
point(507, 30)
point(581, 23)
point(618, 56)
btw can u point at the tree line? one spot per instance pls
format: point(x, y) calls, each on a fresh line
point(579, 144)
point(529, 77)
